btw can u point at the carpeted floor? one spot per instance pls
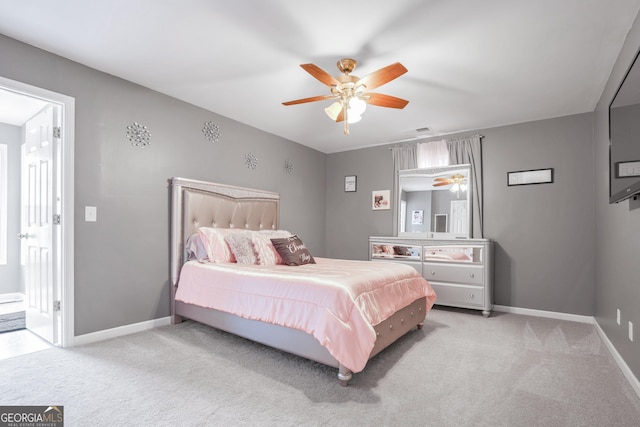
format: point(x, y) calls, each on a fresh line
point(460, 370)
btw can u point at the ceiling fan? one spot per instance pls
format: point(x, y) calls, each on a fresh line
point(352, 93)
point(458, 182)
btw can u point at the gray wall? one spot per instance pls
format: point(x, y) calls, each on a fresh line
point(350, 219)
point(544, 234)
point(122, 260)
point(617, 231)
point(10, 273)
point(418, 200)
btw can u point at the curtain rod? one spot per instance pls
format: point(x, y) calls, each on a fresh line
point(450, 139)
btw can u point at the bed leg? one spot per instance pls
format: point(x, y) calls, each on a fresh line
point(175, 319)
point(420, 325)
point(344, 375)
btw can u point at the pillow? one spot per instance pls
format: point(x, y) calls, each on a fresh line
point(196, 249)
point(217, 248)
point(241, 246)
point(293, 251)
point(266, 252)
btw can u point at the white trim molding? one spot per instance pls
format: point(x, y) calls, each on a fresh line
point(540, 313)
point(120, 331)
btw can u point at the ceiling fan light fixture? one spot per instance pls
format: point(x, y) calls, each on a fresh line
point(352, 92)
point(353, 118)
point(333, 110)
point(357, 106)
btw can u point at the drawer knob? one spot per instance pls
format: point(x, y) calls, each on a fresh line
point(471, 296)
point(433, 273)
point(472, 275)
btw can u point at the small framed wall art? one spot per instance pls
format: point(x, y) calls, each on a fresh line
point(625, 169)
point(380, 200)
point(417, 217)
point(536, 176)
point(350, 183)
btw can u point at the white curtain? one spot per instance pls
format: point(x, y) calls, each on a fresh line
point(433, 153)
point(468, 150)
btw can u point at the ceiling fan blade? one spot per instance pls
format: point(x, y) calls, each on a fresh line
point(382, 76)
point(311, 99)
point(441, 178)
point(440, 184)
point(389, 101)
point(320, 74)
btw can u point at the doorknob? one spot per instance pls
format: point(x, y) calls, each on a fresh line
point(23, 236)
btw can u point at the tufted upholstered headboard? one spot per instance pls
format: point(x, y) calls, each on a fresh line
point(205, 204)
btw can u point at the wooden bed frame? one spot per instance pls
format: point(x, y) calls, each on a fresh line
point(198, 204)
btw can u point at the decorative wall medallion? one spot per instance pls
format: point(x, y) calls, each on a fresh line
point(250, 160)
point(211, 131)
point(139, 135)
point(288, 167)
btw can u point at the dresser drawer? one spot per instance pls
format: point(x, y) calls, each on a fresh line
point(459, 295)
point(471, 274)
point(416, 265)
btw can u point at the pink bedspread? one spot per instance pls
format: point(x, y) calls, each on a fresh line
point(336, 301)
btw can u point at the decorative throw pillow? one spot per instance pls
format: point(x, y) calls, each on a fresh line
point(293, 251)
point(217, 248)
point(196, 249)
point(241, 246)
point(267, 253)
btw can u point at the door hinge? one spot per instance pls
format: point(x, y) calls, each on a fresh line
point(56, 219)
point(57, 131)
point(56, 305)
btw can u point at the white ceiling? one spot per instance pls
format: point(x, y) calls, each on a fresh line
point(472, 64)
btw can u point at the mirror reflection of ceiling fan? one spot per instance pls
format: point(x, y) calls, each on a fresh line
point(351, 94)
point(458, 182)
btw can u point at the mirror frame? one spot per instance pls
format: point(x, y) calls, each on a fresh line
point(439, 171)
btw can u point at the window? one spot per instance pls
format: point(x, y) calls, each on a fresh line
point(432, 154)
point(3, 204)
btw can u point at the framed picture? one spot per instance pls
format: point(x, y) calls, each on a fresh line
point(536, 176)
point(625, 169)
point(380, 199)
point(417, 217)
point(350, 183)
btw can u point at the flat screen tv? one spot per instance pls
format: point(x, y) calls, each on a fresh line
point(624, 137)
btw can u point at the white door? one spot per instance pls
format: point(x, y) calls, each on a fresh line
point(39, 232)
point(459, 220)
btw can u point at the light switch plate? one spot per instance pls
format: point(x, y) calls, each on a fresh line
point(90, 214)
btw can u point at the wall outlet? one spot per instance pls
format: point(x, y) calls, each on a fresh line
point(618, 317)
point(90, 214)
point(630, 331)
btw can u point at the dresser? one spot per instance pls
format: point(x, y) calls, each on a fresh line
point(459, 270)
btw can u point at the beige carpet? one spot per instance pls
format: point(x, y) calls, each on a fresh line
point(460, 370)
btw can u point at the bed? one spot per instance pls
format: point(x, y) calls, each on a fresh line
point(336, 312)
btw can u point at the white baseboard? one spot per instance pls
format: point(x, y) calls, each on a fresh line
point(540, 313)
point(633, 381)
point(120, 331)
point(626, 371)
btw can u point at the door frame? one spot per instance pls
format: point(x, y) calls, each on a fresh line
point(67, 139)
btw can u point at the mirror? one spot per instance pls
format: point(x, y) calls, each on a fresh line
point(624, 127)
point(434, 202)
